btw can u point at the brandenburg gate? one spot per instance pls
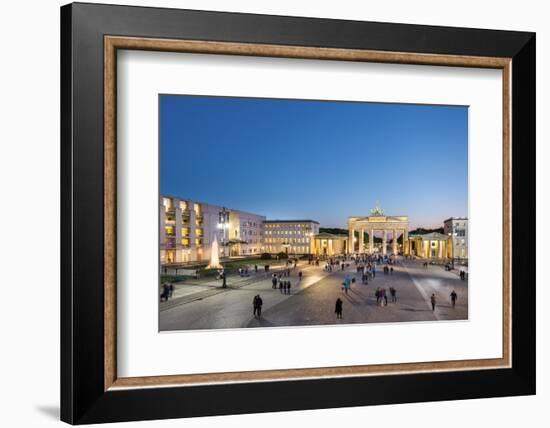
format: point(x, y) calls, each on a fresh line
point(377, 221)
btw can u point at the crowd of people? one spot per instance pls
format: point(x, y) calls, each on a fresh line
point(365, 267)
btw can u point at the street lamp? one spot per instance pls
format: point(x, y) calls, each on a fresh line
point(452, 235)
point(286, 246)
point(223, 224)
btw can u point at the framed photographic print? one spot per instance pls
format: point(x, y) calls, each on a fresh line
point(266, 213)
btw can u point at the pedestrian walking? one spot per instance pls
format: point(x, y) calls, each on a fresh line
point(224, 280)
point(391, 270)
point(347, 284)
point(432, 300)
point(338, 308)
point(274, 282)
point(257, 303)
point(454, 297)
point(300, 276)
point(165, 293)
point(393, 293)
point(288, 287)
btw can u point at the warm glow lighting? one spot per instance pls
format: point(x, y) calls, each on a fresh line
point(214, 256)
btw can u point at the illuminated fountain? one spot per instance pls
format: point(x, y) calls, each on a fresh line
point(214, 256)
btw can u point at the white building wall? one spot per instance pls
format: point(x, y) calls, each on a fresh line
point(188, 228)
point(292, 236)
point(459, 226)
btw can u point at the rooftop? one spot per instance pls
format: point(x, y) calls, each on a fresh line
point(455, 218)
point(219, 207)
point(326, 235)
point(433, 236)
point(291, 221)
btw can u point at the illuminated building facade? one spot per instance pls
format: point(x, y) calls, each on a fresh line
point(188, 228)
point(290, 236)
point(457, 229)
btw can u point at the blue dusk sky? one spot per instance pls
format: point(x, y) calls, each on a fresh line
point(320, 160)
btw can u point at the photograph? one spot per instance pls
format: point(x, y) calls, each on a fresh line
point(270, 211)
point(293, 212)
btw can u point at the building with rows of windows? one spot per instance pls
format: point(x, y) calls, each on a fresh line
point(457, 229)
point(290, 236)
point(188, 228)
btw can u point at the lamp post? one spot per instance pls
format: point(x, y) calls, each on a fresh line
point(286, 246)
point(223, 224)
point(452, 235)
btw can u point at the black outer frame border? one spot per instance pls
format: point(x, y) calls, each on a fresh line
point(83, 399)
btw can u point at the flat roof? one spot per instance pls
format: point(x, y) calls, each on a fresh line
point(455, 218)
point(291, 221)
point(172, 196)
point(432, 236)
point(326, 235)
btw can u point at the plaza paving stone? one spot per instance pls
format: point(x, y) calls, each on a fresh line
point(312, 300)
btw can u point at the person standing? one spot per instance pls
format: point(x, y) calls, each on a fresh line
point(255, 304)
point(454, 297)
point(224, 280)
point(165, 293)
point(393, 293)
point(260, 303)
point(338, 308)
point(300, 276)
point(432, 300)
point(347, 284)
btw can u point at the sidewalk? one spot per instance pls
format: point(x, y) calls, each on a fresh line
point(198, 289)
point(436, 280)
